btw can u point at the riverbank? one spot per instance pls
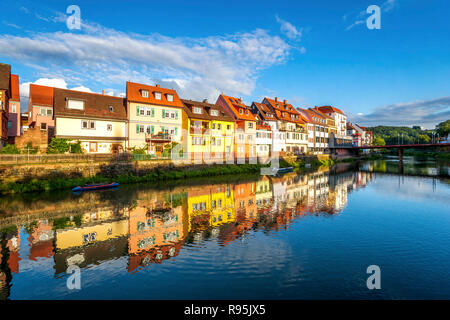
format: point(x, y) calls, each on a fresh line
point(155, 175)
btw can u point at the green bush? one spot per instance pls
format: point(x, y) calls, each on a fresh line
point(58, 145)
point(29, 149)
point(10, 149)
point(76, 147)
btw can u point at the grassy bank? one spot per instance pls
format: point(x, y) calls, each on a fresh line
point(300, 164)
point(156, 175)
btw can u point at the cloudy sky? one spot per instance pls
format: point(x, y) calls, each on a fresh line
point(308, 52)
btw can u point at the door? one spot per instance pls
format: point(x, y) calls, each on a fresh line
point(92, 146)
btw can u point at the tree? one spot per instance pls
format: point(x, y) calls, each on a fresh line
point(443, 128)
point(379, 141)
point(423, 138)
point(76, 147)
point(58, 145)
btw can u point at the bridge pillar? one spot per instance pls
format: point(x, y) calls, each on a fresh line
point(400, 154)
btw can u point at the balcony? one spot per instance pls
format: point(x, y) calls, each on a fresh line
point(160, 137)
point(198, 130)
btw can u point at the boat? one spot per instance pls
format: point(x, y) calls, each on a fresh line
point(283, 170)
point(96, 186)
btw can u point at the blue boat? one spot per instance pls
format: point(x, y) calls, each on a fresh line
point(97, 186)
point(283, 170)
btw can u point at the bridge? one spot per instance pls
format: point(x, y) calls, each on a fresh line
point(400, 147)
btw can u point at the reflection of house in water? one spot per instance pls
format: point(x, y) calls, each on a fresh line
point(210, 206)
point(40, 239)
point(339, 186)
point(12, 243)
point(157, 230)
point(245, 203)
point(263, 192)
point(318, 191)
point(101, 235)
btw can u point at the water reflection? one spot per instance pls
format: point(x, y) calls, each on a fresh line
point(149, 226)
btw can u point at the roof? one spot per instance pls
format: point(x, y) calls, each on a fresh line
point(15, 87)
point(235, 105)
point(284, 110)
point(206, 111)
point(41, 95)
point(134, 94)
point(311, 115)
point(317, 111)
point(96, 105)
point(329, 109)
point(5, 75)
point(264, 111)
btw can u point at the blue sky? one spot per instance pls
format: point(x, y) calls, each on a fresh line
point(308, 52)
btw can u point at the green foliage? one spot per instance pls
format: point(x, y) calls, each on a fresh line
point(135, 150)
point(10, 149)
point(76, 147)
point(29, 149)
point(58, 145)
point(395, 135)
point(379, 141)
point(443, 128)
point(423, 138)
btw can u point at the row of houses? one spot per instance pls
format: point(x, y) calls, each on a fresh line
point(152, 118)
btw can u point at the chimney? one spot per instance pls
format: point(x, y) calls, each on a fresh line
point(157, 85)
point(276, 98)
point(205, 100)
point(284, 101)
point(103, 92)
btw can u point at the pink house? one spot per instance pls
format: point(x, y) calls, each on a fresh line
point(40, 108)
point(14, 108)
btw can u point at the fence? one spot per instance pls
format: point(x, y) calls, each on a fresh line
point(73, 158)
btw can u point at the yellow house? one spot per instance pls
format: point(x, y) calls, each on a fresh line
point(209, 131)
point(98, 121)
point(155, 117)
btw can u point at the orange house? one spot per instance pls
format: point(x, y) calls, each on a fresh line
point(245, 203)
point(245, 131)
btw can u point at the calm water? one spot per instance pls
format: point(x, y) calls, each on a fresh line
point(292, 237)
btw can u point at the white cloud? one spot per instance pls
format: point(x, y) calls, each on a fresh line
point(427, 113)
point(288, 29)
point(199, 68)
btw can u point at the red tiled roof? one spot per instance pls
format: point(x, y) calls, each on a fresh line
point(317, 111)
point(265, 111)
point(284, 111)
point(330, 109)
point(134, 94)
point(235, 105)
point(206, 111)
point(41, 95)
point(15, 87)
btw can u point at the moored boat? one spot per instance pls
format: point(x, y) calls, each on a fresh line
point(283, 170)
point(96, 186)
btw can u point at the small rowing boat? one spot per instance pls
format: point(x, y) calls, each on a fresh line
point(283, 170)
point(96, 186)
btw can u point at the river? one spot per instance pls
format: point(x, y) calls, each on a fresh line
point(297, 236)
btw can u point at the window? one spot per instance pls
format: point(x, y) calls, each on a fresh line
point(84, 124)
point(141, 129)
point(158, 95)
point(197, 110)
point(14, 108)
point(46, 111)
point(75, 104)
point(250, 125)
point(170, 97)
point(109, 127)
point(214, 113)
point(241, 112)
point(144, 93)
point(9, 124)
point(141, 111)
point(43, 126)
point(111, 109)
point(148, 111)
point(228, 127)
point(213, 126)
point(91, 124)
point(219, 126)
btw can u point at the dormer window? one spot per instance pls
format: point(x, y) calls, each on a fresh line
point(144, 93)
point(241, 112)
point(246, 112)
point(214, 113)
point(197, 110)
point(158, 95)
point(170, 97)
point(111, 109)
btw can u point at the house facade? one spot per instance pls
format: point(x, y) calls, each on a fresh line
point(245, 126)
point(14, 108)
point(5, 94)
point(291, 122)
point(317, 130)
point(155, 117)
point(98, 121)
point(263, 113)
point(209, 131)
point(41, 108)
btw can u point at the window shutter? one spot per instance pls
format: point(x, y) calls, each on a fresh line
point(176, 130)
point(137, 110)
point(137, 128)
point(153, 129)
point(176, 114)
point(162, 129)
point(164, 113)
point(153, 112)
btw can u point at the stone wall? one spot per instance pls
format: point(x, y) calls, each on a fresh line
point(39, 138)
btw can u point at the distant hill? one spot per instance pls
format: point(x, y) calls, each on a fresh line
point(393, 135)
